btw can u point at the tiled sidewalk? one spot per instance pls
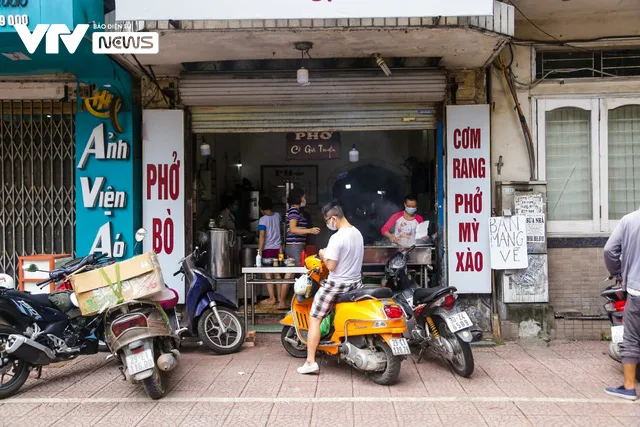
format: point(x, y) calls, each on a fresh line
point(515, 384)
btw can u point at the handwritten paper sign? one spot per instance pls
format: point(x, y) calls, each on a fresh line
point(508, 242)
point(313, 146)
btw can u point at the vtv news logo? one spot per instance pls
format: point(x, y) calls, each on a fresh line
point(102, 42)
point(32, 40)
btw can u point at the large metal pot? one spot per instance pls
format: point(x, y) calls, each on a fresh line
point(249, 256)
point(223, 250)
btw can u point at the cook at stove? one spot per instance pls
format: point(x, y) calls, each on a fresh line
point(401, 227)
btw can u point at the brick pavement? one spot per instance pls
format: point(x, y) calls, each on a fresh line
point(515, 384)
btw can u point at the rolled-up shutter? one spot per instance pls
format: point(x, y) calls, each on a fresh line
point(361, 117)
point(274, 102)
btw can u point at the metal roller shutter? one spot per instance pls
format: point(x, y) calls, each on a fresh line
point(363, 117)
point(353, 87)
point(274, 102)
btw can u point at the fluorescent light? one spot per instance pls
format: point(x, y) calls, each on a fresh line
point(32, 91)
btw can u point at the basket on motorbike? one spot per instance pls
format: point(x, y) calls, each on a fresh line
point(136, 278)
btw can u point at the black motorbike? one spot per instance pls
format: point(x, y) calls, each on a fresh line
point(433, 320)
point(39, 329)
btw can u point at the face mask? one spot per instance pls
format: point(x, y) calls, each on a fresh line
point(410, 211)
point(235, 209)
point(331, 225)
point(303, 203)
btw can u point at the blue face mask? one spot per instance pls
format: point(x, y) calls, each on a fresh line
point(411, 211)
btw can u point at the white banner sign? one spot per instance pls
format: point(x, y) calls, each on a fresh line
point(508, 240)
point(468, 198)
point(162, 10)
point(163, 190)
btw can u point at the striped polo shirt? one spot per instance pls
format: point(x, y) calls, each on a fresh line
point(294, 213)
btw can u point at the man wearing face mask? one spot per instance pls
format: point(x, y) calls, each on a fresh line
point(227, 217)
point(343, 257)
point(401, 227)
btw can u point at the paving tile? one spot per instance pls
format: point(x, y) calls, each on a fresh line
point(540, 409)
point(225, 389)
point(506, 420)
point(552, 421)
point(334, 389)
point(463, 420)
point(297, 389)
point(204, 421)
point(498, 409)
point(261, 389)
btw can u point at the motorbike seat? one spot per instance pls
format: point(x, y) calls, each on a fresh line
point(42, 299)
point(423, 295)
point(361, 293)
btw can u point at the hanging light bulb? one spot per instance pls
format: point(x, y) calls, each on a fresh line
point(303, 73)
point(354, 155)
point(205, 149)
point(303, 76)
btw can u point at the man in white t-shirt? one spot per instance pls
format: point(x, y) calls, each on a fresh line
point(343, 257)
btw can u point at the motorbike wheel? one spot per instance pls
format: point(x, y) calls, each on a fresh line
point(462, 362)
point(19, 367)
point(211, 336)
point(390, 375)
point(298, 351)
point(155, 386)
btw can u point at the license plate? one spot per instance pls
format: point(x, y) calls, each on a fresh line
point(399, 346)
point(616, 334)
point(458, 321)
point(140, 362)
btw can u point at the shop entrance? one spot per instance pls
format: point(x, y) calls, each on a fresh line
point(391, 164)
point(37, 187)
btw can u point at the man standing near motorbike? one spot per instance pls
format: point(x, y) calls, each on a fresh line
point(622, 258)
point(343, 257)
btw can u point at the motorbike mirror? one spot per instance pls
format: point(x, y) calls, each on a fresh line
point(31, 268)
point(140, 235)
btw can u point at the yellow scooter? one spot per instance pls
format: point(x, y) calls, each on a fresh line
point(366, 331)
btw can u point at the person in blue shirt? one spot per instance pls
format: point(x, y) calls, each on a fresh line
point(269, 242)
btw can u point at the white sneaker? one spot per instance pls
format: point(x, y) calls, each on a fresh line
point(308, 369)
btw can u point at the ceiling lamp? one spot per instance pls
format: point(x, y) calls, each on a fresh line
point(303, 73)
point(382, 64)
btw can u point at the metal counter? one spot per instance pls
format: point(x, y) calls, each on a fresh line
point(420, 257)
point(379, 255)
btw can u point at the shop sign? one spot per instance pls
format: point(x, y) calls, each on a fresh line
point(162, 10)
point(164, 187)
point(468, 198)
point(104, 179)
point(508, 240)
point(313, 146)
point(16, 12)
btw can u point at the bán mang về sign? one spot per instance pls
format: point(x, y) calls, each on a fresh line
point(313, 146)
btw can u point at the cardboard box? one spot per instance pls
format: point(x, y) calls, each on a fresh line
point(140, 277)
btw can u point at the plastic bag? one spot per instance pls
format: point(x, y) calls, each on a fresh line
point(325, 325)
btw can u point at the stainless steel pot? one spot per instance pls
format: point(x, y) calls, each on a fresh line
point(249, 256)
point(223, 250)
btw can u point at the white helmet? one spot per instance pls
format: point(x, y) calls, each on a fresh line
point(6, 281)
point(302, 285)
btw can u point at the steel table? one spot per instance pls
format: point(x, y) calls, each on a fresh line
point(249, 280)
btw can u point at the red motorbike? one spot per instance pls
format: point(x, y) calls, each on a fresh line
point(616, 300)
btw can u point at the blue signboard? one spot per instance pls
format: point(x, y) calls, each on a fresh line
point(34, 12)
point(107, 169)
